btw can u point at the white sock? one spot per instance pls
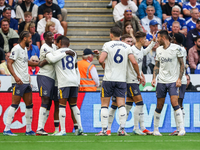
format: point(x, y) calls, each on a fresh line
point(122, 116)
point(111, 116)
point(42, 117)
point(62, 115)
point(177, 125)
point(10, 118)
point(179, 118)
point(45, 119)
point(156, 120)
point(29, 116)
point(141, 118)
point(77, 116)
point(136, 116)
point(183, 112)
point(128, 108)
point(104, 118)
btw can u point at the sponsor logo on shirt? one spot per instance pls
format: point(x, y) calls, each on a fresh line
point(163, 59)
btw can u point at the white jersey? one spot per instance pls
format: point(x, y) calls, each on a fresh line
point(184, 79)
point(169, 66)
point(116, 61)
point(65, 70)
point(20, 65)
point(47, 70)
point(138, 54)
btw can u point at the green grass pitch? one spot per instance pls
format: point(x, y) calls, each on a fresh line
point(191, 141)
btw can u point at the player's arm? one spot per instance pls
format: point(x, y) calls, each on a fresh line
point(152, 44)
point(182, 67)
point(32, 64)
point(143, 81)
point(155, 72)
point(135, 65)
point(43, 63)
point(102, 59)
point(10, 68)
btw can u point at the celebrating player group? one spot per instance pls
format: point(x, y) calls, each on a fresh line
point(59, 79)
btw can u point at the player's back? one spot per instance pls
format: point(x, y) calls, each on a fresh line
point(66, 70)
point(47, 70)
point(116, 61)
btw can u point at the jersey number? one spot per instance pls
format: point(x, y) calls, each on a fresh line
point(118, 58)
point(68, 63)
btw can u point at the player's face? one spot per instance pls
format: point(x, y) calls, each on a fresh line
point(59, 44)
point(28, 40)
point(150, 11)
point(195, 14)
point(175, 28)
point(128, 16)
point(128, 28)
point(143, 40)
point(7, 14)
point(28, 18)
point(128, 41)
point(50, 38)
point(5, 26)
point(160, 39)
point(175, 13)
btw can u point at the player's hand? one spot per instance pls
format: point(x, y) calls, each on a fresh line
point(178, 83)
point(96, 52)
point(18, 80)
point(143, 82)
point(139, 78)
point(71, 53)
point(153, 82)
point(154, 36)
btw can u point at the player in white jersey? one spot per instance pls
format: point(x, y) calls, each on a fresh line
point(18, 66)
point(114, 59)
point(178, 39)
point(170, 67)
point(46, 80)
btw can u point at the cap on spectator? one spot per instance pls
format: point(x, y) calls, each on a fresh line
point(178, 38)
point(198, 20)
point(87, 51)
point(153, 22)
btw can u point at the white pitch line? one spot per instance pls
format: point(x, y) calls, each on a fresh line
point(107, 141)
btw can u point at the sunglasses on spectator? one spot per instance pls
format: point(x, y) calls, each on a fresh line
point(128, 10)
point(7, 8)
point(35, 60)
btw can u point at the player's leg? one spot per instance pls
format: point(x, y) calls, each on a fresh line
point(56, 116)
point(75, 122)
point(181, 97)
point(174, 92)
point(161, 91)
point(111, 114)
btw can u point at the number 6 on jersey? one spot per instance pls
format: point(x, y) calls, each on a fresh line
point(118, 58)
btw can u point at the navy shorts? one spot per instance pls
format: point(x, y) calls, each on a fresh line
point(182, 90)
point(161, 89)
point(111, 88)
point(133, 89)
point(46, 86)
point(55, 94)
point(19, 90)
point(68, 92)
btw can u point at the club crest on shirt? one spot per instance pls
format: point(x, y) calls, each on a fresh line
point(13, 53)
point(18, 91)
point(45, 92)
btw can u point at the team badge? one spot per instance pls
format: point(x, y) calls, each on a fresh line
point(135, 91)
point(18, 91)
point(45, 92)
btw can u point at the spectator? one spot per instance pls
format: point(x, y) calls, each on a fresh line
point(194, 55)
point(2, 55)
point(35, 36)
point(33, 50)
point(56, 13)
point(175, 17)
point(153, 25)
point(145, 3)
point(8, 36)
point(88, 73)
point(128, 29)
point(179, 2)
point(60, 3)
point(48, 17)
point(50, 26)
point(118, 12)
point(25, 6)
point(28, 18)
point(188, 6)
point(126, 38)
point(167, 9)
point(189, 86)
point(33, 70)
point(13, 22)
point(3, 66)
point(176, 29)
point(191, 23)
point(192, 34)
point(150, 16)
point(3, 4)
point(131, 18)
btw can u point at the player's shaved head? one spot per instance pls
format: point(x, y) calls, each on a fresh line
point(59, 38)
point(164, 33)
point(65, 41)
point(45, 34)
point(116, 31)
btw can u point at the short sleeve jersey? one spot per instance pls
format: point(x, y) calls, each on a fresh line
point(170, 21)
point(55, 10)
point(65, 70)
point(47, 70)
point(20, 65)
point(116, 61)
point(169, 66)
